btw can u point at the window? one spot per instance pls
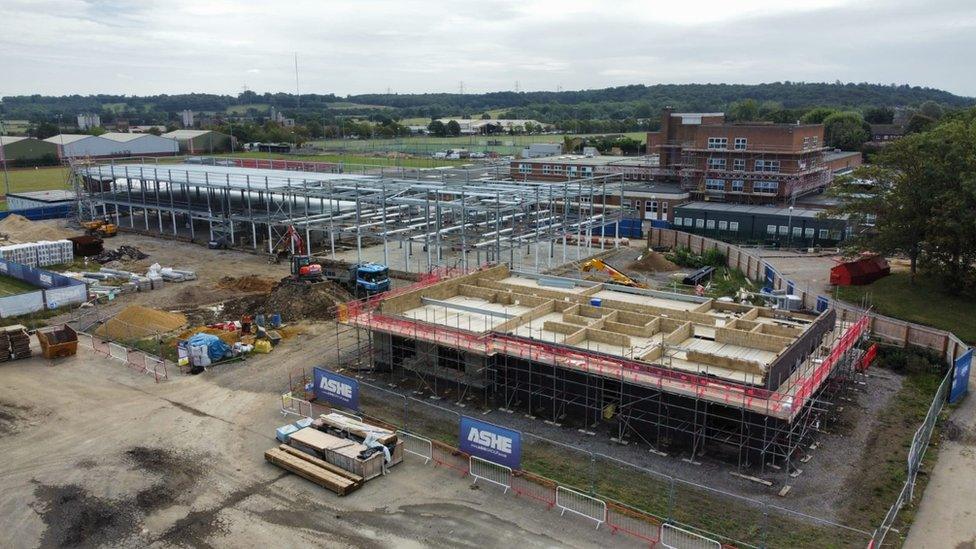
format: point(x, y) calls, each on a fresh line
point(546, 169)
point(784, 230)
point(808, 232)
point(718, 142)
point(699, 223)
point(770, 229)
point(739, 164)
point(770, 166)
point(710, 224)
point(587, 171)
point(806, 142)
point(638, 205)
point(715, 184)
point(738, 185)
point(557, 169)
point(797, 231)
point(585, 199)
point(653, 206)
point(677, 221)
point(627, 204)
point(740, 143)
point(687, 222)
point(734, 226)
point(664, 208)
point(525, 168)
point(723, 225)
point(823, 234)
point(716, 163)
point(765, 186)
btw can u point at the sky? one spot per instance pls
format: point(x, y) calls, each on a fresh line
point(146, 47)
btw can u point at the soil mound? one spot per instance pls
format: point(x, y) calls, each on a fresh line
point(293, 302)
point(20, 230)
point(136, 322)
point(249, 283)
point(652, 262)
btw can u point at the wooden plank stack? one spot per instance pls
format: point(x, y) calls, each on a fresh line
point(4, 346)
point(314, 469)
point(19, 343)
point(341, 452)
point(351, 428)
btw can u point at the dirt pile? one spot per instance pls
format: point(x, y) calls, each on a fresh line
point(293, 302)
point(136, 322)
point(652, 262)
point(19, 229)
point(249, 283)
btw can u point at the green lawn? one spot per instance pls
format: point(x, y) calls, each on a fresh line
point(12, 286)
point(426, 145)
point(923, 303)
point(41, 179)
point(355, 159)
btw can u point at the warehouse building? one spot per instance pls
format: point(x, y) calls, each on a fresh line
point(201, 141)
point(143, 144)
point(41, 199)
point(26, 151)
point(73, 145)
point(786, 226)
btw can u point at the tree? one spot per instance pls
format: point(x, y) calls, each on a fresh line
point(846, 130)
point(485, 116)
point(746, 110)
point(154, 130)
point(922, 192)
point(879, 115)
point(453, 128)
point(817, 115)
point(45, 130)
point(437, 128)
point(931, 109)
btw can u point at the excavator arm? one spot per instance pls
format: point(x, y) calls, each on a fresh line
point(615, 275)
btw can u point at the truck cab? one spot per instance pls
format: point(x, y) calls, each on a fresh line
point(371, 278)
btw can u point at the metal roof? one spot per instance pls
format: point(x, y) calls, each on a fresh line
point(749, 209)
point(218, 176)
point(8, 139)
point(66, 138)
point(126, 137)
point(187, 134)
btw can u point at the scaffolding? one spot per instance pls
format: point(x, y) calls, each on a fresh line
point(430, 221)
point(761, 426)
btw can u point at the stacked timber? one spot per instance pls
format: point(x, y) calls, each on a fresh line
point(314, 469)
point(19, 342)
point(4, 346)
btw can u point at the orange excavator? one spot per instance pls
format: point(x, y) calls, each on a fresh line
point(616, 276)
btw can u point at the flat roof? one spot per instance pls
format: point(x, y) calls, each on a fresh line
point(835, 155)
point(798, 211)
point(598, 160)
point(219, 176)
point(681, 332)
point(57, 195)
point(187, 134)
point(655, 187)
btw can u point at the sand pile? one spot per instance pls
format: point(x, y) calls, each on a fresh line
point(19, 230)
point(136, 322)
point(652, 262)
point(249, 283)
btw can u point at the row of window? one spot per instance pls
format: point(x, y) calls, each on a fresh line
point(557, 169)
point(652, 206)
point(739, 164)
point(733, 226)
point(811, 142)
point(740, 143)
point(738, 186)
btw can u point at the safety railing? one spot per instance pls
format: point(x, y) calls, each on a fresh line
point(581, 504)
point(416, 445)
point(482, 469)
point(674, 537)
point(291, 405)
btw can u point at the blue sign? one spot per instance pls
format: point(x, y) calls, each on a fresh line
point(770, 276)
point(790, 287)
point(336, 388)
point(491, 442)
point(960, 377)
point(822, 303)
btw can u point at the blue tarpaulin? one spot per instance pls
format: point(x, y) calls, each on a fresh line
point(216, 349)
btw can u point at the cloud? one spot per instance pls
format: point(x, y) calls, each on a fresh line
point(76, 46)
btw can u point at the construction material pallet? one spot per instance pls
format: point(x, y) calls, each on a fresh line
point(341, 452)
point(313, 469)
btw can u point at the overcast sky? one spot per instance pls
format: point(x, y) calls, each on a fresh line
point(143, 47)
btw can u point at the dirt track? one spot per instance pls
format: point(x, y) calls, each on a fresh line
point(100, 455)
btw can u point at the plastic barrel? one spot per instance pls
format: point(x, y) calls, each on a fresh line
point(276, 320)
point(596, 301)
point(259, 320)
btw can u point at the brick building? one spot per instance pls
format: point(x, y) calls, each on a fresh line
point(566, 167)
point(752, 162)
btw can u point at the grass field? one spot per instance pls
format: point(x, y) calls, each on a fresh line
point(924, 303)
point(41, 179)
point(12, 286)
point(425, 145)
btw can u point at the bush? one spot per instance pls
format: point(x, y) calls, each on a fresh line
point(683, 257)
point(910, 360)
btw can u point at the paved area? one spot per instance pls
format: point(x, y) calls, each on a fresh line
point(946, 515)
point(95, 454)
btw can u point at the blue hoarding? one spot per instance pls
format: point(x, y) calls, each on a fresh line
point(960, 377)
point(336, 388)
point(491, 442)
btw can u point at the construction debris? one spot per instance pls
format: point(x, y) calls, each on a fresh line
point(293, 302)
point(249, 283)
point(121, 253)
point(652, 262)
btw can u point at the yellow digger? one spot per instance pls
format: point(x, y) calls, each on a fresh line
point(100, 228)
point(616, 276)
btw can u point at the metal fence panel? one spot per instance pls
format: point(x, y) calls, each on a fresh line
point(537, 488)
point(118, 352)
point(490, 472)
point(21, 304)
point(417, 445)
point(674, 537)
point(634, 523)
point(581, 504)
point(86, 341)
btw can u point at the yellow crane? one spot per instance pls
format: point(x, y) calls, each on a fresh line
point(616, 276)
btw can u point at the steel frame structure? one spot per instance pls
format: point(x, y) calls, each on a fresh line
point(459, 222)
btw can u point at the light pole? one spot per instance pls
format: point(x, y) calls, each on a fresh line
point(3, 160)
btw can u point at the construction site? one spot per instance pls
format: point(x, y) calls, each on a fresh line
point(442, 296)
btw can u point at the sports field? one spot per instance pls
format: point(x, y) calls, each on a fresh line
point(31, 179)
point(13, 286)
point(426, 145)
